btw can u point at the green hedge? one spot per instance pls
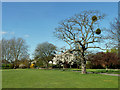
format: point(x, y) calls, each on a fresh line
point(8, 66)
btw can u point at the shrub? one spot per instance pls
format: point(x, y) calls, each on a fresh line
point(11, 66)
point(5, 66)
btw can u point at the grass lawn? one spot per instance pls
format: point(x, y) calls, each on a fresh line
point(36, 78)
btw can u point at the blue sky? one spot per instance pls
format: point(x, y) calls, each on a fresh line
point(35, 22)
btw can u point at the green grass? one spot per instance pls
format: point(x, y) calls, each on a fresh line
point(35, 78)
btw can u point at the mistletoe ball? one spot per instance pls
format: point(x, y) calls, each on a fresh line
point(98, 31)
point(94, 18)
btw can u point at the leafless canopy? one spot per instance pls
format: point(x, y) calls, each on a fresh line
point(80, 29)
point(14, 49)
point(114, 33)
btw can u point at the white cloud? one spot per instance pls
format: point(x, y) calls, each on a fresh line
point(26, 36)
point(2, 32)
point(9, 33)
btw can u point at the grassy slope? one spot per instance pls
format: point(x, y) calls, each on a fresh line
point(55, 79)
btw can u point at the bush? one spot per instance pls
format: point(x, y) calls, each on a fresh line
point(89, 65)
point(5, 66)
point(11, 66)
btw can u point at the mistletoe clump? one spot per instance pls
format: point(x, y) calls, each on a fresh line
point(98, 31)
point(94, 18)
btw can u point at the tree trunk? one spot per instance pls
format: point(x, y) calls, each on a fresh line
point(78, 66)
point(83, 63)
point(5, 63)
point(47, 65)
point(16, 62)
point(59, 66)
point(63, 67)
point(83, 68)
point(106, 68)
point(70, 65)
point(52, 64)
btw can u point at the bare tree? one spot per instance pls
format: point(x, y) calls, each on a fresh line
point(45, 52)
point(6, 50)
point(19, 49)
point(14, 49)
point(104, 59)
point(113, 34)
point(81, 30)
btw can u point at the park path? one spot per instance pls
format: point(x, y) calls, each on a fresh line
point(110, 74)
point(102, 73)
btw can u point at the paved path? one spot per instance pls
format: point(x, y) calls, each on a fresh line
point(102, 73)
point(110, 74)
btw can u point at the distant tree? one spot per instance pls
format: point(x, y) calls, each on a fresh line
point(112, 50)
point(45, 52)
point(6, 52)
point(104, 59)
point(19, 49)
point(39, 63)
point(14, 49)
point(113, 34)
point(26, 62)
point(81, 29)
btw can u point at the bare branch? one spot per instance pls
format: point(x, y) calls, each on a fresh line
point(97, 47)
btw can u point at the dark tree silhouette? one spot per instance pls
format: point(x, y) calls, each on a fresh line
point(104, 59)
point(45, 52)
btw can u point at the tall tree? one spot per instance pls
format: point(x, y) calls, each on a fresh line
point(6, 50)
point(113, 34)
point(14, 49)
point(81, 29)
point(19, 49)
point(104, 59)
point(45, 52)
point(113, 37)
